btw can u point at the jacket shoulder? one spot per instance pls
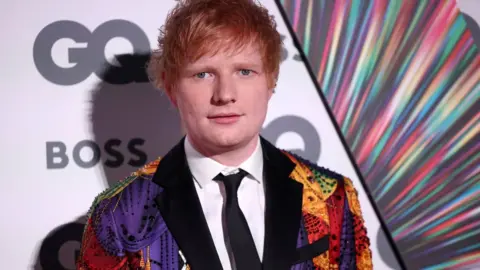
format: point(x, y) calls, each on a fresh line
point(124, 217)
point(322, 179)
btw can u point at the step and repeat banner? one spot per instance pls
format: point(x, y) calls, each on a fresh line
point(78, 114)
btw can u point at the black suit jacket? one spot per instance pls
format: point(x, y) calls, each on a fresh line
point(154, 218)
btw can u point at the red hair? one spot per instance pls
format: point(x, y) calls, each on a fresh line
point(195, 28)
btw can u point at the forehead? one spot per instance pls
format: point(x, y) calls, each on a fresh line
point(231, 54)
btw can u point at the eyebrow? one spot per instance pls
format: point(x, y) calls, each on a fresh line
point(209, 68)
point(248, 64)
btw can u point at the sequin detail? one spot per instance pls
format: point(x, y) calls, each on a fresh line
point(362, 242)
point(326, 195)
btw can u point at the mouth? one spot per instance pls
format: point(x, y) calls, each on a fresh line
point(224, 118)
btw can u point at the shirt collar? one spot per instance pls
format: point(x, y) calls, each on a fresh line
point(204, 169)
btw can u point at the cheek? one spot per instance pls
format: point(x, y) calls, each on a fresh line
point(263, 96)
point(190, 106)
point(258, 103)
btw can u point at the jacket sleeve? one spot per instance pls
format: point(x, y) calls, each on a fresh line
point(363, 254)
point(99, 249)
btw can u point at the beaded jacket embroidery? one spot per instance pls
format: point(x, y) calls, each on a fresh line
point(125, 229)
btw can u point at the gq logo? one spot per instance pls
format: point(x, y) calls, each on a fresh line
point(88, 55)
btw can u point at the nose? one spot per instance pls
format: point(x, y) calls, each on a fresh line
point(225, 91)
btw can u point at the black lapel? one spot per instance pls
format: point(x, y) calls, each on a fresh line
point(181, 209)
point(283, 214)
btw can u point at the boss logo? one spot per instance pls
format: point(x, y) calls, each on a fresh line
point(58, 156)
point(87, 56)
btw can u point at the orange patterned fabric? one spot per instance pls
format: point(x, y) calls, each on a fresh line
point(325, 194)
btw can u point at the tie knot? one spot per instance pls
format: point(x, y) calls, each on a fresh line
point(232, 181)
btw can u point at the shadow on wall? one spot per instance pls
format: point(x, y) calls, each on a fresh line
point(474, 28)
point(132, 123)
point(132, 120)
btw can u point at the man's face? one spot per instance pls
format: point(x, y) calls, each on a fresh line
point(223, 99)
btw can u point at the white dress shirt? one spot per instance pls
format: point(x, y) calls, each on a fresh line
point(251, 197)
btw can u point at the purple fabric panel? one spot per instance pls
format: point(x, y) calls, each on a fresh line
point(347, 240)
point(164, 253)
point(130, 220)
point(308, 265)
point(302, 240)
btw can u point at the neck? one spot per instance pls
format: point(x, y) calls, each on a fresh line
point(228, 156)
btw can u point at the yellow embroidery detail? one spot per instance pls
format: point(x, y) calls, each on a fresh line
point(314, 205)
point(148, 169)
point(322, 261)
point(364, 260)
point(333, 267)
point(313, 197)
point(352, 197)
point(149, 265)
point(142, 259)
point(302, 174)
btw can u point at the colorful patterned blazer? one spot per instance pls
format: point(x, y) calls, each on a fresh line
point(153, 219)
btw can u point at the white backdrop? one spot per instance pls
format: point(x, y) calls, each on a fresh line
point(44, 110)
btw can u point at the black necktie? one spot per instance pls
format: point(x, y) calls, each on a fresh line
point(241, 240)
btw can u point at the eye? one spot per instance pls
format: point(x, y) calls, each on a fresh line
point(245, 72)
point(202, 75)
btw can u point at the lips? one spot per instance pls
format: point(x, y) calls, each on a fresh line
point(223, 115)
point(227, 118)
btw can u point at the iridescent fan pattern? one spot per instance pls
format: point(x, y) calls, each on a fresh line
point(402, 79)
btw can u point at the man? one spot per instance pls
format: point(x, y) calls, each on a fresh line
point(224, 197)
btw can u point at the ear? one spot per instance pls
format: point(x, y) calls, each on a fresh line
point(272, 84)
point(271, 91)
